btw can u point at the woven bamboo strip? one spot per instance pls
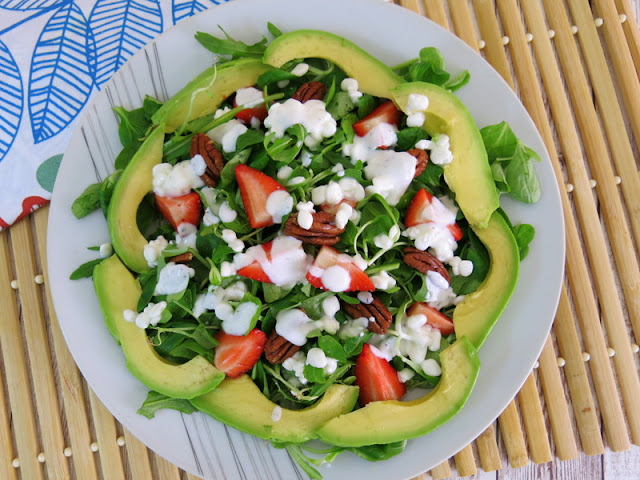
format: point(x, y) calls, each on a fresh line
point(576, 265)
point(35, 331)
point(565, 327)
point(621, 153)
point(488, 450)
point(411, 5)
point(434, 9)
point(105, 427)
point(139, 464)
point(490, 33)
point(7, 453)
point(463, 22)
point(575, 373)
point(15, 371)
point(68, 375)
point(534, 424)
point(631, 31)
point(619, 54)
point(465, 462)
point(556, 404)
point(511, 431)
point(440, 471)
point(192, 477)
point(613, 120)
point(164, 469)
point(612, 312)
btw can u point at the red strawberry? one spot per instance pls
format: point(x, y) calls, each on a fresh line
point(422, 200)
point(259, 112)
point(184, 209)
point(377, 379)
point(386, 112)
point(434, 318)
point(237, 354)
point(330, 257)
point(254, 270)
point(255, 188)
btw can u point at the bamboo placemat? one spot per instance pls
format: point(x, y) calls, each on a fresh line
point(575, 65)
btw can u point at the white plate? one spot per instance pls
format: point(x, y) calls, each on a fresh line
point(195, 442)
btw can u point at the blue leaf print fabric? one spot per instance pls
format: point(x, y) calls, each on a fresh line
point(54, 54)
point(181, 9)
point(11, 105)
point(120, 28)
point(24, 5)
point(60, 80)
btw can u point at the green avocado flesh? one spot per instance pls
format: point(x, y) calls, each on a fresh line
point(204, 94)
point(239, 403)
point(118, 290)
point(469, 174)
point(373, 76)
point(134, 183)
point(479, 311)
point(392, 420)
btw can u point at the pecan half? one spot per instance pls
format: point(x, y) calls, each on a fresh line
point(422, 158)
point(310, 91)
point(424, 262)
point(202, 145)
point(183, 258)
point(381, 315)
point(278, 349)
point(323, 230)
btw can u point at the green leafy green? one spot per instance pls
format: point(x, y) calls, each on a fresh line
point(524, 234)
point(156, 401)
point(431, 68)
point(106, 190)
point(511, 163)
point(273, 30)
point(133, 124)
point(284, 149)
point(230, 46)
point(87, 202)
point(85, 270)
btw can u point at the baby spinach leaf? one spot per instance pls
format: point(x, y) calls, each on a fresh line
point(87, 202)
point(524, 234)
point(229, 46)
point(156, 401)
point(273, 30)
point(314, 374)
point(340, 105)
point(204, 338)
point(353, 345)
point(106, 190)
point(227, 175)
point(85, 270)
point(332, 348)
point(458, 81)
point(408, 137)
point(366, 104)
point(133, 124)
point(375, 453)
point(249, 138)
point(150, 105)
point(284, 149)
point(274, 76)
point(515, 174)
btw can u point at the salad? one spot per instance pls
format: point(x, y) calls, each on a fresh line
point(302, 235)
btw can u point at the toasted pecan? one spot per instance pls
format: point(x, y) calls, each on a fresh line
point(323, 230)
point(424, 262)
point(278, 349)
point(375, 310)
point(202, 145)
point(310, 91)
point(422, 159)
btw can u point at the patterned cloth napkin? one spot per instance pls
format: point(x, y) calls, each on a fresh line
point(54, 55)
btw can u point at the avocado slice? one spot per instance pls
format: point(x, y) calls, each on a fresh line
point(134, 183)
point(117, 291)
point(239, 403)
point(373, 76)
point(479, 311)
point(392, 420)
point(204, 94)
point(469, 174)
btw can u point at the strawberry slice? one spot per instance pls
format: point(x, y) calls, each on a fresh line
point(377, 379)
point(183, 209)
point(416, 212)
point(237, 354)
point(254, 270)
point(386, 112)
point(259, 112)
point(434, 318)
point(337, 273)
point(255, 188)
